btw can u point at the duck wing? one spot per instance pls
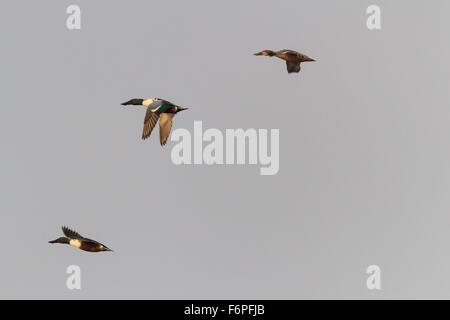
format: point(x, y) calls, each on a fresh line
point(165, 125)
point(71, 234)
point(151, 118)
point(293, 66)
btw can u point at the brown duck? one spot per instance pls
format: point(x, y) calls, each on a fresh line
point(292, 58)
point(76, 240)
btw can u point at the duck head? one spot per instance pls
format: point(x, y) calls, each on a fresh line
point(63, 240)
point(135, 102)
point(269, 53)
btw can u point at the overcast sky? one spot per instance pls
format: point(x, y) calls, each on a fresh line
point(364, 150)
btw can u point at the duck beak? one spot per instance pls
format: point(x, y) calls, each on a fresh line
point(182, 108)
point(124, 103)
point(308, 59)
point(258, 54)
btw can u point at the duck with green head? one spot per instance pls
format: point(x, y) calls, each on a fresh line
point(292, 58)
point(76, 240)
point(157, 109)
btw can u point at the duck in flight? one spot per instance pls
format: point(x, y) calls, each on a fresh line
point(292, 58)
point(157, 109)
point(76, 240)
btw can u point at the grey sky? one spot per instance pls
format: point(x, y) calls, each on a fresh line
point(364, 154)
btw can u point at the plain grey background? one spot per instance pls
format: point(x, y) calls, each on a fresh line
point(364, 150)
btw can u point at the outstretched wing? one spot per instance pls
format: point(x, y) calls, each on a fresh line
point(151, 118)
point(292, 66)
point(165, 125)
point(71, 234)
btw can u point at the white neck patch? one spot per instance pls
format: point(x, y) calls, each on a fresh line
point(147, 102)
point(75, 243)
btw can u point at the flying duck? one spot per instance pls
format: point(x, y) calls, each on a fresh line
point(78, 241)
point(157, 109)
point(292, 58)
